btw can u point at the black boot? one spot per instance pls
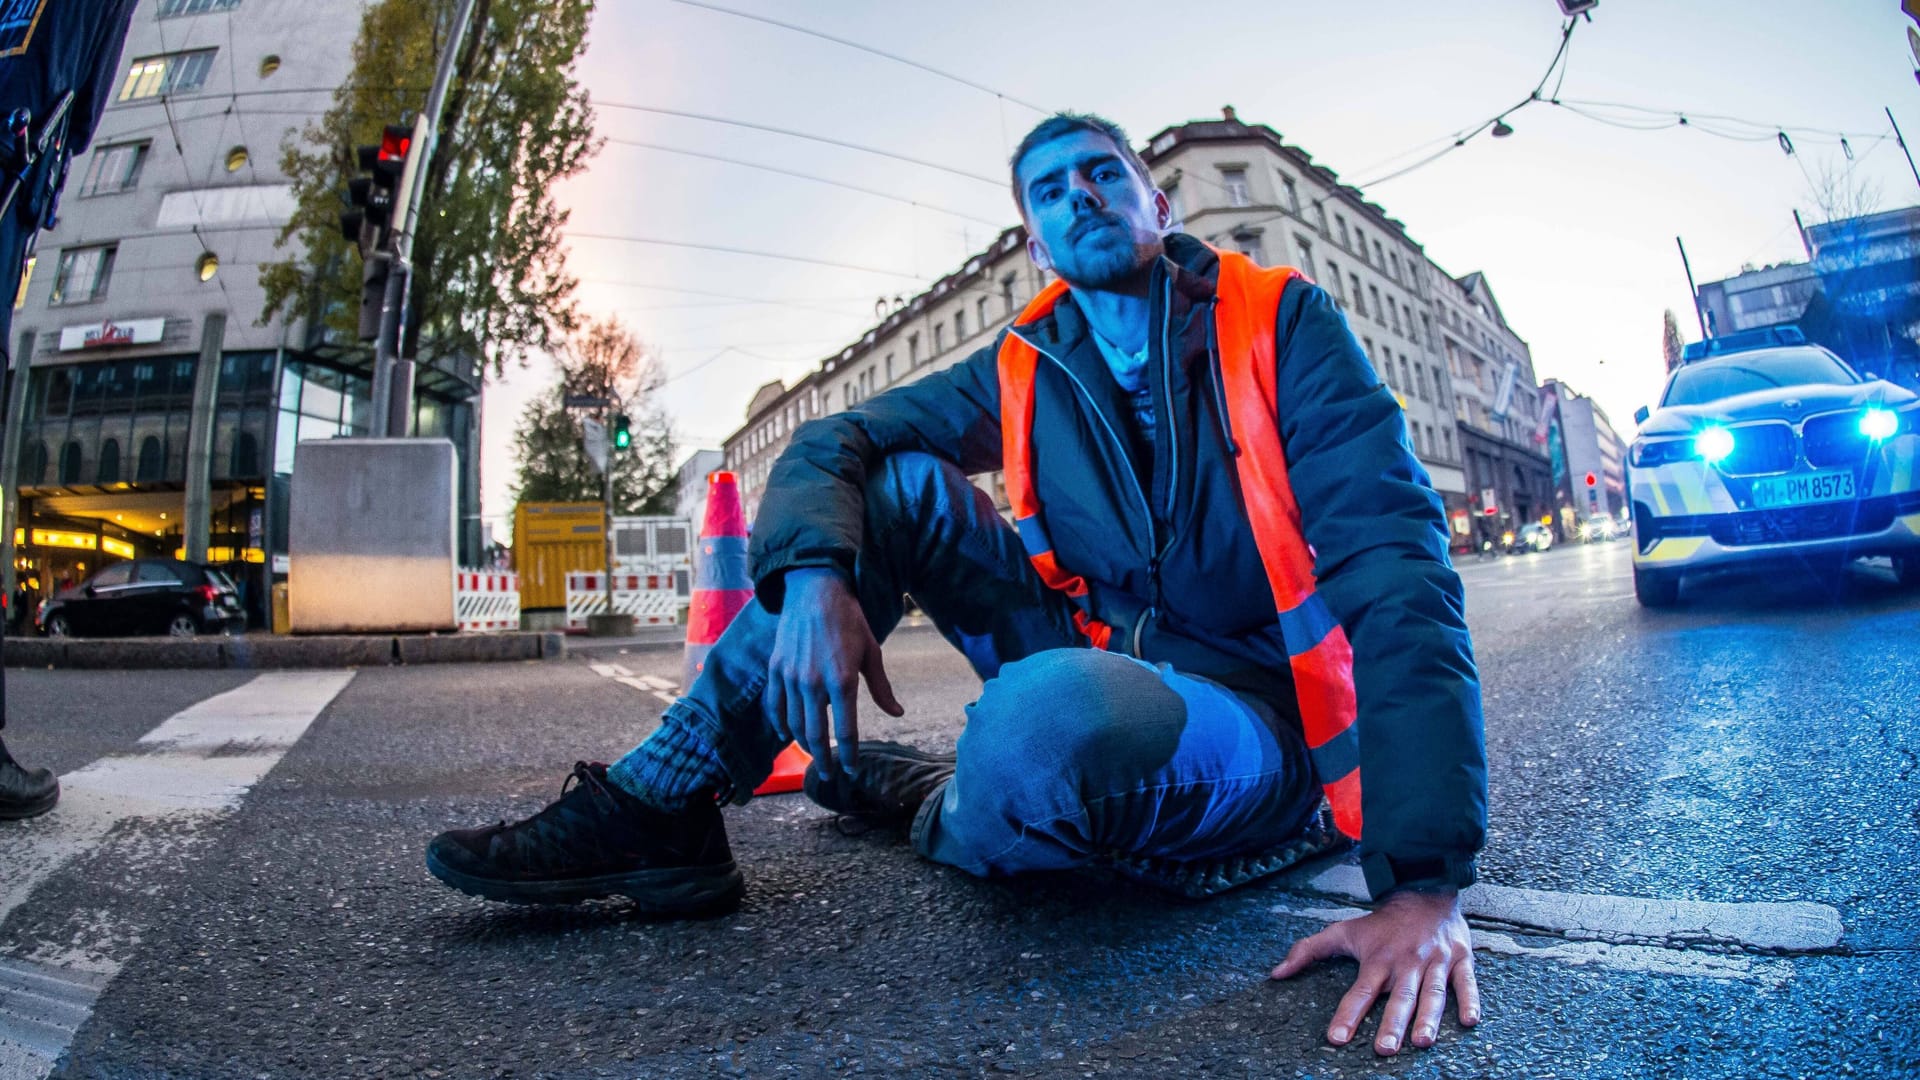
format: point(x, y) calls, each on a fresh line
point(596, 840)
point(25, 793)
point(890, 783)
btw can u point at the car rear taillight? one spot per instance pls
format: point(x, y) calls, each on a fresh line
point(207, 593)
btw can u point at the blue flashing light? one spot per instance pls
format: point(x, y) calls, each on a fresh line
point(1713, 445)
point(1878, 424)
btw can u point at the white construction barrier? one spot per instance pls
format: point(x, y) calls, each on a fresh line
point(486, 600)
point(652, 599)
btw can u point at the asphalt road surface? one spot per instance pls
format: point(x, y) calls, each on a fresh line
point(1705, 829)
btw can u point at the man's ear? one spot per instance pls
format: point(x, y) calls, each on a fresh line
point(1163, 209)
point(1038, 254)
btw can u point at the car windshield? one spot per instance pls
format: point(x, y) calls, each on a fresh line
point(1770, 369)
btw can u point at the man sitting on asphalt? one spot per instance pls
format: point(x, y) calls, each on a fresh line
point(1226, 592)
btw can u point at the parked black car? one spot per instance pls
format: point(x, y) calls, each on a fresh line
point(146, 596)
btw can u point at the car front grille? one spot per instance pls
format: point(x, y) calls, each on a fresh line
point(1822, 521)
point(1833, 440)
point(1760, 448)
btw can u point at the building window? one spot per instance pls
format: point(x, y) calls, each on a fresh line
point(1420, 374)
point(1359, 298)
point(1393, 313)
point(1377, 312)
point(1411, 332)
point(889, 367)
point(1379, 254)
point(170, 8)
point(913, 350)
point(115, 168)
point(70, 461)
point(108, 471)
point(1006, 292)
point(980, 311)
point(1426, 326)
point(1346, 241)
point(846, 396)
point(1406, 374)
point(83, 274)
point(153, 459)
point(1393, 264)
point(1250, 246)
point(1339, 287)
point(1446, 437)
point(173, 73)
point(1306, 256)
point(959, 326)
point(1367, 345)
point(1292, 191)
point(939, 338)
point(1320, 217)
point(1235, 181)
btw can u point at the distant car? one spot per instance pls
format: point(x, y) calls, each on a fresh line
point(1533, 536)
point(1599, 528)
point(1767, 449)
point(146, 596)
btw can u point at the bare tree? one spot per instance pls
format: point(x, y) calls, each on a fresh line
point(1838, 195)
point(1670, 340)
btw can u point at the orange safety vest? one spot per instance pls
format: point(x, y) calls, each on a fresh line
point(1320, 658)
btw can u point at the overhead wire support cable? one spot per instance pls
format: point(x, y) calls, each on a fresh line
point(742, 251)
point(997, 182)
point(882, 53)
point(803, 176)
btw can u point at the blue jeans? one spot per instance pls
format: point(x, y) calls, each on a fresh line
point(1070, 754)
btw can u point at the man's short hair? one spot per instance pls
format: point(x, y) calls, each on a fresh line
point(1066, 123)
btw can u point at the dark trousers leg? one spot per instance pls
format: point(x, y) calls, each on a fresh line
point(929, 533)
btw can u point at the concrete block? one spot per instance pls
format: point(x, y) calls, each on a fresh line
point(553, 646)
point(468, 648)
point(25, 652)
point(140, 653)
point(544, 619)
point(320, 651)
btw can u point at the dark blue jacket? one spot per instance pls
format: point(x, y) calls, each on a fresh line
point(1172, 564)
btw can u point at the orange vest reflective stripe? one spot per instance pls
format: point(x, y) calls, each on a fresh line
point(1320, 658)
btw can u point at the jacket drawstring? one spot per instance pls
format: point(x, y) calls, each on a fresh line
point(1219, 381)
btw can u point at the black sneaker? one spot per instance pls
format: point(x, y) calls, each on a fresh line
point(594, 841)
point(24, 792)
point(889, 785)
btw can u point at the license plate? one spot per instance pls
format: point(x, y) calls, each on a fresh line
point(1831, 486)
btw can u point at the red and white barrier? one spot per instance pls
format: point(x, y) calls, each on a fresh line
point(652, 599)
point(486, 600)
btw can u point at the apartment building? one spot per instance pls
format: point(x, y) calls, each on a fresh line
point(164, 225)
point(1496, 410)
point(1242, 187)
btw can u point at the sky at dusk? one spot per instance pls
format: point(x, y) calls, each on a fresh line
point(1572, 220)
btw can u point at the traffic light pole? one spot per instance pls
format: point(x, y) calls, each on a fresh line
point(606, 422)
point(392, 376)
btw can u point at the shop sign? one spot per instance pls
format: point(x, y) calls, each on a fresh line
point(102, 335)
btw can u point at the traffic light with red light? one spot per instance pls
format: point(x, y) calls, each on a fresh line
point(368, 219)
point(1592, 480)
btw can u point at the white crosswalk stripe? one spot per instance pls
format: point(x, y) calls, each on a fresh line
point(191, 770)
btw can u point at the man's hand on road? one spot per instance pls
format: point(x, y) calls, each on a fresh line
point(822, 648)
point(1411, 949)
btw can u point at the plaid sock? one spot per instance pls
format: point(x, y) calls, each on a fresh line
point(669, 768)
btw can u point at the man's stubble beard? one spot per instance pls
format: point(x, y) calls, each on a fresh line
point(1111, 269)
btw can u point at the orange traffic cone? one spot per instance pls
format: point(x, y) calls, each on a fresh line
point(722, 586)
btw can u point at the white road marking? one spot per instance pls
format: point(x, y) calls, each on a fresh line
point(611, 671)
point(1646, 959)
point(658, 683)
point(1765, 926)
point(189, 771)
point(659, 688)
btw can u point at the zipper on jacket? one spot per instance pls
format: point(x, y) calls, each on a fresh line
point(1218, 378)
point(1094, 405)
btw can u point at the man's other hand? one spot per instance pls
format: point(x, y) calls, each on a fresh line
point(821, 650)
point(1411, 949)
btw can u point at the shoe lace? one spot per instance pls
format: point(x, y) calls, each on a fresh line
point(557, 831)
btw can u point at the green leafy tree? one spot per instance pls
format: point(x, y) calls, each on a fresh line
point(489, 275)
point(549, 449)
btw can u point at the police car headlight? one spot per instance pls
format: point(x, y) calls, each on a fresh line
point(1713, 445)
point(1878, 424)
point(1650, 452)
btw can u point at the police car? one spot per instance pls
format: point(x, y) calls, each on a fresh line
point(1765, 448)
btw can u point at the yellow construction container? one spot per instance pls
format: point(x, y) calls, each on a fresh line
point(550, 539)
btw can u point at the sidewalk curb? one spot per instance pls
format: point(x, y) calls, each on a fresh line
point(268, 652)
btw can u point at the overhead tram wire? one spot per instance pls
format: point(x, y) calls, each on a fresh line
point(998, 182)
point(570, 234)
point(882, 53)
point(805, 176)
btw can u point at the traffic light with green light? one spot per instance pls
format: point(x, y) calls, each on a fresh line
point(622, 432)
